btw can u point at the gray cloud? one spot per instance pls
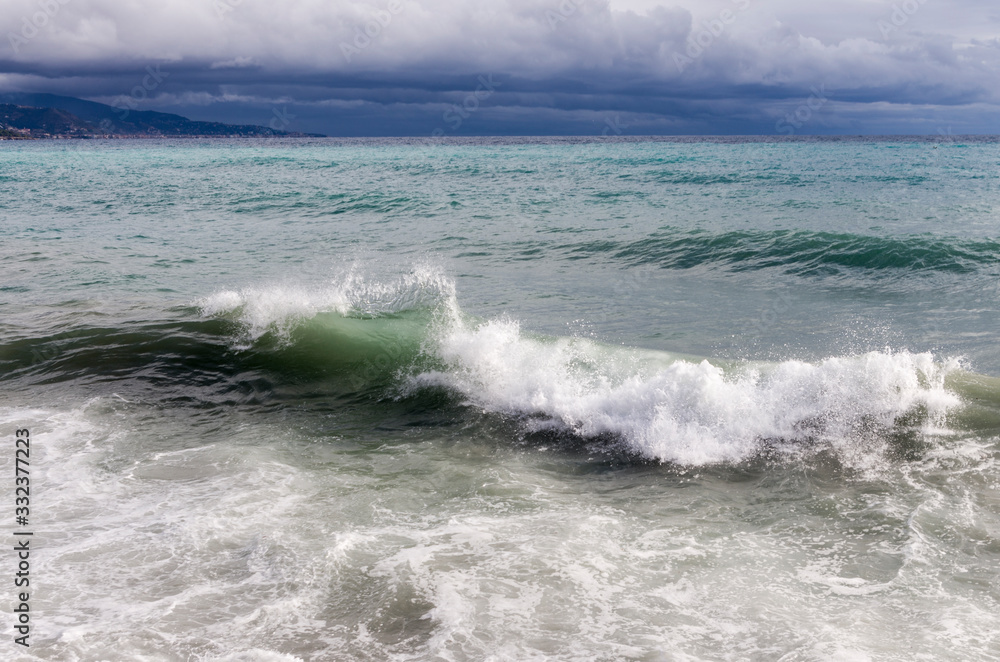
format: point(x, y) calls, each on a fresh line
point(381, 66)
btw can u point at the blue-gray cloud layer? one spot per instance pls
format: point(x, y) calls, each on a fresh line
point(420, 67)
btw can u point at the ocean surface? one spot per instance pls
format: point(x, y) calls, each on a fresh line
point(504, 399)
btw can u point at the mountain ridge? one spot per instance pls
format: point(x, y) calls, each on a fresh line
point(40, 115)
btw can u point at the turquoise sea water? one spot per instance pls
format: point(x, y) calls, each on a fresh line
point(506, 400)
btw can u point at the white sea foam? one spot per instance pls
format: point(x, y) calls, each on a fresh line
point(683, 411)
point(662, 407)
point(276, 309)
point(155, 517)
point(279, 308)
point(249, 549)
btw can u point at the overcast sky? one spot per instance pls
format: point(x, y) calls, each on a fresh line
point(590, 67)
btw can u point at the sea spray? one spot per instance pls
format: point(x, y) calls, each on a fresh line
point(675, 410)
point(660, 406)
point(278, 309)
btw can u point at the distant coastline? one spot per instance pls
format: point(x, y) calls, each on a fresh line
point(26, 116)
point(503, 140)
point(8, 134)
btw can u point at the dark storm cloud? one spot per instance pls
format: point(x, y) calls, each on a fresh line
point(417, 66)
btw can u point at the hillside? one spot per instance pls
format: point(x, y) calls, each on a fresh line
point(7, 134)
point(44, 121)
point(54, 116)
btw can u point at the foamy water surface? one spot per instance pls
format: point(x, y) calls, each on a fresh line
point(338, 400)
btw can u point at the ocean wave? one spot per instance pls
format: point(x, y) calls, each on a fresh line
point(279, 309)
point(659, 406)
point(798, 252)
point(379, 340)
point(690, 412)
